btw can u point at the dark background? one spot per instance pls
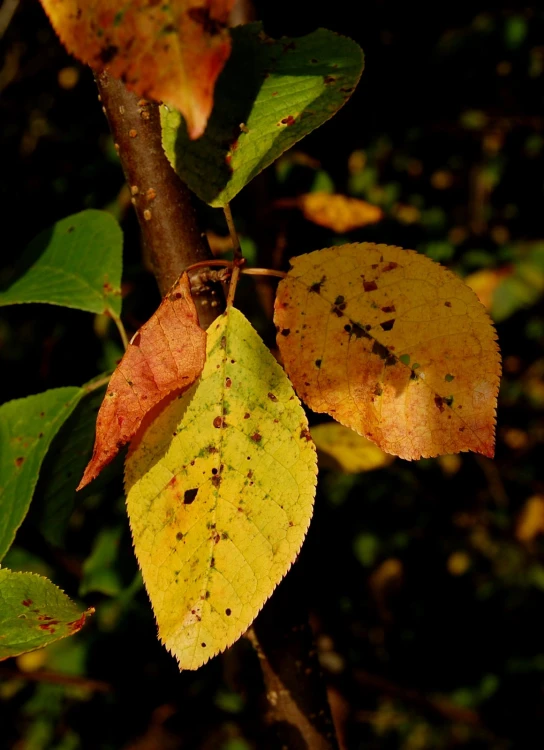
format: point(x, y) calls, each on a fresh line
point(426, 579)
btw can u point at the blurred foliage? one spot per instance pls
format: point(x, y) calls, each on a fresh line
point(426, 579)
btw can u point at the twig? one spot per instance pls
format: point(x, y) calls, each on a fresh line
point(162, 201)
point(7, 11)
point(56, 678)
point(233, 234)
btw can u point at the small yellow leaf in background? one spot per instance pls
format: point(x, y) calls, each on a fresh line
point(342, 449)
point(486, 281)
point(220, 491)
point(531, 519)
point(338, 212)
point(171, 52)
point(393, 345)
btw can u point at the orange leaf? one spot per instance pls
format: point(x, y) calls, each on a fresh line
point(392, 345)
point(167, 354)
point(338, 212)
point(172, 52)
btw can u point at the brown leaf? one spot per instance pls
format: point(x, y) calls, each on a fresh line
point(172, 52)
point(167, 354)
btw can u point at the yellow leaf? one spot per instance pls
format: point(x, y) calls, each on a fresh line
point(172, 52)
point(341, 448)
point(392, 345)
point(531, 519)
point(338, 212)
point(486, 281)
point(220, 492)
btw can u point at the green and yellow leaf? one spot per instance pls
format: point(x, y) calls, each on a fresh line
point(271, 94)
point(392, 345)
point(34, 613)
point(220, 491)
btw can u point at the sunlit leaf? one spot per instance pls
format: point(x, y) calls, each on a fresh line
point(34, 613)
point(27, 427)
point(392, 345)
point(167, 354)
point(75, 263)
point(530, 523)
point(220, 493)
point(269, 96)
point(343, 449)
point(338, 212)
point(171, 52)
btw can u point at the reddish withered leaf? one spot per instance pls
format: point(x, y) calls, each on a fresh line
point(171, 51)
point(167, 354)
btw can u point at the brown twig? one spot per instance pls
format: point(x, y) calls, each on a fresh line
point(56, 678)
point(163, 203)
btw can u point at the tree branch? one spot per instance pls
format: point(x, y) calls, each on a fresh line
point(163, 203)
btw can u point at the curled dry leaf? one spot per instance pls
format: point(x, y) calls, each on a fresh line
point(392, 345)
point(338, 212)
point(167, 354)
point(172, 52)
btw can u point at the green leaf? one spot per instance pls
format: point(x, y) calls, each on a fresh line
point(27, 427)
point(220, 491)
point(75, 263)
point(34, 613)
point(269, 96)
point(63, 467)
point(100, 573)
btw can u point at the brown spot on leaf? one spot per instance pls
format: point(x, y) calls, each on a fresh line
point(290, 120)
point(316, 287)
point(228, 612)
point(448, 304)
point(26, 602)
point(389, 266)
point(19, 461)
point(387, 325)
point(179, 536)
point(256, 437)
point(228, 382)
point(219, 422)
point(189, 496)
point(369, 286)
point(247, 415)
point(439, 402)
point(272, 397)
point(285, 331)
point(388, 309)
point(216, 481)
point(305, 434)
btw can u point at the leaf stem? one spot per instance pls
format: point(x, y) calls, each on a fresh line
point(264, 272)
point(122, 331)
point(94, 385)
point(233, 234)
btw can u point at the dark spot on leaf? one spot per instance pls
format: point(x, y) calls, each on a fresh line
point(223, 342)
point(378, 390)
point(211, 449)
point(439, 401)
point(413, 375)
point(449, 378)
point(107, 54)
point(448, 400)
point(256, 437)
point(203, 645)
point(19, 461)
point(347, 328)
point(387, 325)
point(228, 612)
point(210, 25)
point(369, 286)
point(224, 535)
point(179, 536)
point(216, 481)
point(389, 308)
point(219, 422)
point(391, 360)
point(329, 79)
point(290, 120)
point(26, 602)
point(214, 471)
point(228, 382)
point(389, 267)
point(247, 415)
point(70, 230)
point(448, 304)
point(359, 332)
point(318, 362)
point(189, 496)
point(339, 300)
point(381, 350)
point(305, 434)
point(285, 331)
point(316, 287)
point(272, 397)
